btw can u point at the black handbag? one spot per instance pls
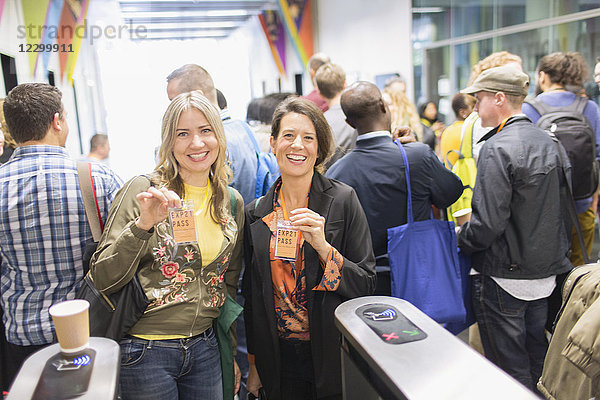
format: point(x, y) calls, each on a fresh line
point(111, 316)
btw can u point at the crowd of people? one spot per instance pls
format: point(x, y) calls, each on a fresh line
point(318, 237)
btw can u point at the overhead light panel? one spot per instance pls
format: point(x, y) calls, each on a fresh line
point(193, 25)
point(194, 13)
point(170, 35)
point(427, 10)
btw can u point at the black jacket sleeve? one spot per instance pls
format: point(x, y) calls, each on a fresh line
point(446, 187)
point(358, 270)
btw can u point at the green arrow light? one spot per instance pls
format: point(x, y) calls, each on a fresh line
point(412, 333)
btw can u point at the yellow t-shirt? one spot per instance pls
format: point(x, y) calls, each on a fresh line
point(209, 233)
point(451, 141)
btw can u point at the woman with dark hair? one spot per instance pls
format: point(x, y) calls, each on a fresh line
point(172, 351)
point(307, 249)
point(432, 126)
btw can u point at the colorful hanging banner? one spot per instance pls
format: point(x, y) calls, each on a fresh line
point(1, 9)
point(71, 32)
point(297, 20)
point(49, 33)
point(34, 16)
point(273, 28)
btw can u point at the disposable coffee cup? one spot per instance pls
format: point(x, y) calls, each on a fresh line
point(72, 325)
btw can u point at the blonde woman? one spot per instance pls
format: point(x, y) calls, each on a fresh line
point(172, 350)
point(403, 112)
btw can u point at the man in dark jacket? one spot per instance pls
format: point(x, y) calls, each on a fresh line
point(518, 234)
point(374, 168)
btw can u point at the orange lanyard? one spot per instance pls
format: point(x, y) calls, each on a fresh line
point(285, 214)
point(502, 124)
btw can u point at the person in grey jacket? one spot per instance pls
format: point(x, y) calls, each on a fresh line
point(519, 232)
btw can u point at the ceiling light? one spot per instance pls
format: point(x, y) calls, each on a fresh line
point(427, 10)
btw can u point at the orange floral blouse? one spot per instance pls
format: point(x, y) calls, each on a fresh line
point(289, 281)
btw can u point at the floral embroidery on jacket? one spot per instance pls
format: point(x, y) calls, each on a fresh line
point(169, 269)
point(180, 266)
point(177, 270)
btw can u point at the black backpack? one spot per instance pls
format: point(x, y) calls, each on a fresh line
point(577, 136)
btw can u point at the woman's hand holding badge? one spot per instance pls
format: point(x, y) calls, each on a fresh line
point(312, 226)
point(154, 206)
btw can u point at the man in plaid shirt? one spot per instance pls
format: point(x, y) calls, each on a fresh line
point(43, 226)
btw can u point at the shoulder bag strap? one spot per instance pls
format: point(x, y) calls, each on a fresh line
point(232, 202)
point(539, 106)
point(90, 202)
point(252, 138)
point(409, 208)
point(466, 136)
point(578, 105)
point(571, 202)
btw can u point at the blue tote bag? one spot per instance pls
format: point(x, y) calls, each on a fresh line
point(424, 264)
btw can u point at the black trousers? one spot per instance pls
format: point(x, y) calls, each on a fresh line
point(12, 358)
point(297, 376)
point(297, 373)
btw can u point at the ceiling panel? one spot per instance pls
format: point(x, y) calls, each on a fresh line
point(191, 19)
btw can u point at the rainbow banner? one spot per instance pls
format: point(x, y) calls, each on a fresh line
point(1, 9)
point(71, 33)
point(297, 20)
point(34, 16)
point(50, 32)
point(273, 28)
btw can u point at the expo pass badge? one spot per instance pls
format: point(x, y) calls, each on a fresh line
point(286, 241)
point(183, 223)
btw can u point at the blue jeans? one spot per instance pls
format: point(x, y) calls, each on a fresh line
point(512, 330)
point(184, 369)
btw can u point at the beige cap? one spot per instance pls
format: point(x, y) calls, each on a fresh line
point(508, 79)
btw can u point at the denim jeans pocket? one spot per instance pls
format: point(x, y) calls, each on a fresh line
point(211, 339)
point(508, 304)
point(132, 353)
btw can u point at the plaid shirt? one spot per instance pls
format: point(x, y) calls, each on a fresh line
point(43, 233)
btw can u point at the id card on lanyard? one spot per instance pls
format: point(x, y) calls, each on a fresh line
point(183, 223)
point(286, 241)
point(287, 237)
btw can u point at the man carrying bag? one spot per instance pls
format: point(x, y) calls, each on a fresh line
point(519, 232)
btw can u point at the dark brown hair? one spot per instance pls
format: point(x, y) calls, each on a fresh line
point(29, 110)
point(566, 69)
point(294, 104)
point(462, 101)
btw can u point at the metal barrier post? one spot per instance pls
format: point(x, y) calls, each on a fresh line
point(391, 350)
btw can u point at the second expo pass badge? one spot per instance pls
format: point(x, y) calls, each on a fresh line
point(286, 242)
point(183, 223)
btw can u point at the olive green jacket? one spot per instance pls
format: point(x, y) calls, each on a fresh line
point(184, 296)
point(572, 364)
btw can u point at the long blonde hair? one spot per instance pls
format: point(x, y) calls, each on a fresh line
point(405, 113)
point(167, 170)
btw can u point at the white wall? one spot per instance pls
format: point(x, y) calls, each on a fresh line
point(367, 38)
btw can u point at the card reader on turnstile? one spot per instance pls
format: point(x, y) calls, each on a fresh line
point(391, 350)
point(65, 377)
point(50, 375)
point(389, 324)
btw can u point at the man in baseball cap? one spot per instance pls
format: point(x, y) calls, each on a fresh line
point(518, 236)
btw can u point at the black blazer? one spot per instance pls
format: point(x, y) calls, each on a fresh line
point(347, 230)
